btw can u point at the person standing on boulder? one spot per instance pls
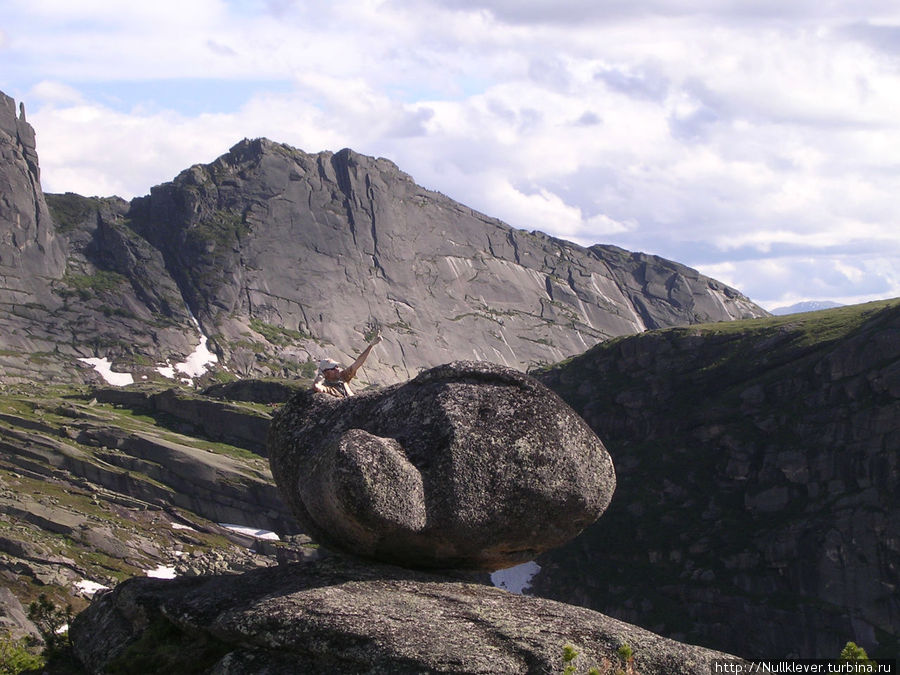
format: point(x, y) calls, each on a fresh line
point(334, 380)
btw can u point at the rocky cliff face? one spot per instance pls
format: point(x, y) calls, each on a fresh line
point(75, 281)
point(332, 247)
point(32, 255)
point(758, 475)
point(117, 298)
point(285, 257)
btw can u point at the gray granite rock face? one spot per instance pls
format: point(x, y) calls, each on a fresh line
point(75, 281)
point(339, 616)
point(469, 466)
point(31, 255)
point(334, 245)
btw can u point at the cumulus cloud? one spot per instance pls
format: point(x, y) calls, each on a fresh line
point(779, 281)
point(755, 141)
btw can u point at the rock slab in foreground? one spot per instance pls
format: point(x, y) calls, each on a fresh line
point(467, 466)
point(340, 616)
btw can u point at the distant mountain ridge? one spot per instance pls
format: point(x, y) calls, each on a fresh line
point(285, 257)
point(806, 306)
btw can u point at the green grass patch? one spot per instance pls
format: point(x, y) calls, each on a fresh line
point(86, 286)
point(70, 210)
point(811, 327)
point(279, 335)
point(221, 229)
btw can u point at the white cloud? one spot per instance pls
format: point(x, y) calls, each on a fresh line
point(601, 224)
point(751, 138)
point(56, 93)
point(785, 280)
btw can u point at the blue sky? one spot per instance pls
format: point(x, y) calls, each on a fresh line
point(757, 141)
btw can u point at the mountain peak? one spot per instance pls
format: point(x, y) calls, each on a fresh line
point(286, 257)
point(805, 306)
point(31, 254)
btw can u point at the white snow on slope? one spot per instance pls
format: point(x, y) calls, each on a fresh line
point(88, 587)
point(199, 360)
point(162, 572)
point(251, 531)
point(104, 367)
point(197, 363)
point(166, 371)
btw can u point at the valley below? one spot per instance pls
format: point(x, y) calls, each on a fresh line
point(753, 526)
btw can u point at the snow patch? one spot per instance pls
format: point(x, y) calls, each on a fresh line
point(167, 370)
point(104, 367)
point(88, 587)
point(199, 360)
point(162, 572)
point(196, 364)
point(516, 579)
point(251, 531)
point(180, 526)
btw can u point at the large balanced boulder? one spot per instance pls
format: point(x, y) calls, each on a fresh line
point(467, 466)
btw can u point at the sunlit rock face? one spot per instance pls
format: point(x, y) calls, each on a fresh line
point(31, 255)
point(332, 246)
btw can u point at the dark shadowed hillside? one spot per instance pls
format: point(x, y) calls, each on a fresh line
point(758, 482)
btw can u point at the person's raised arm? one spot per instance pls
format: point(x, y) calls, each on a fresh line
point(349, 373)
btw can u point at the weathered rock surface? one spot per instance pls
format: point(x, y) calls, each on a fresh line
point(468, 465)
point(31, 253)
point(335, 615)
point(758, 478)
point(269, 236)
point(256, 391)
point(117, 298)
point(285, 257)
point(14, 620)
point(74, 280)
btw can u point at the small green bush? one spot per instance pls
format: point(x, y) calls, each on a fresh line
point(569, 667)
point(853, 652)
point(15, 656)
point(52, 623)
point(569, 655)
